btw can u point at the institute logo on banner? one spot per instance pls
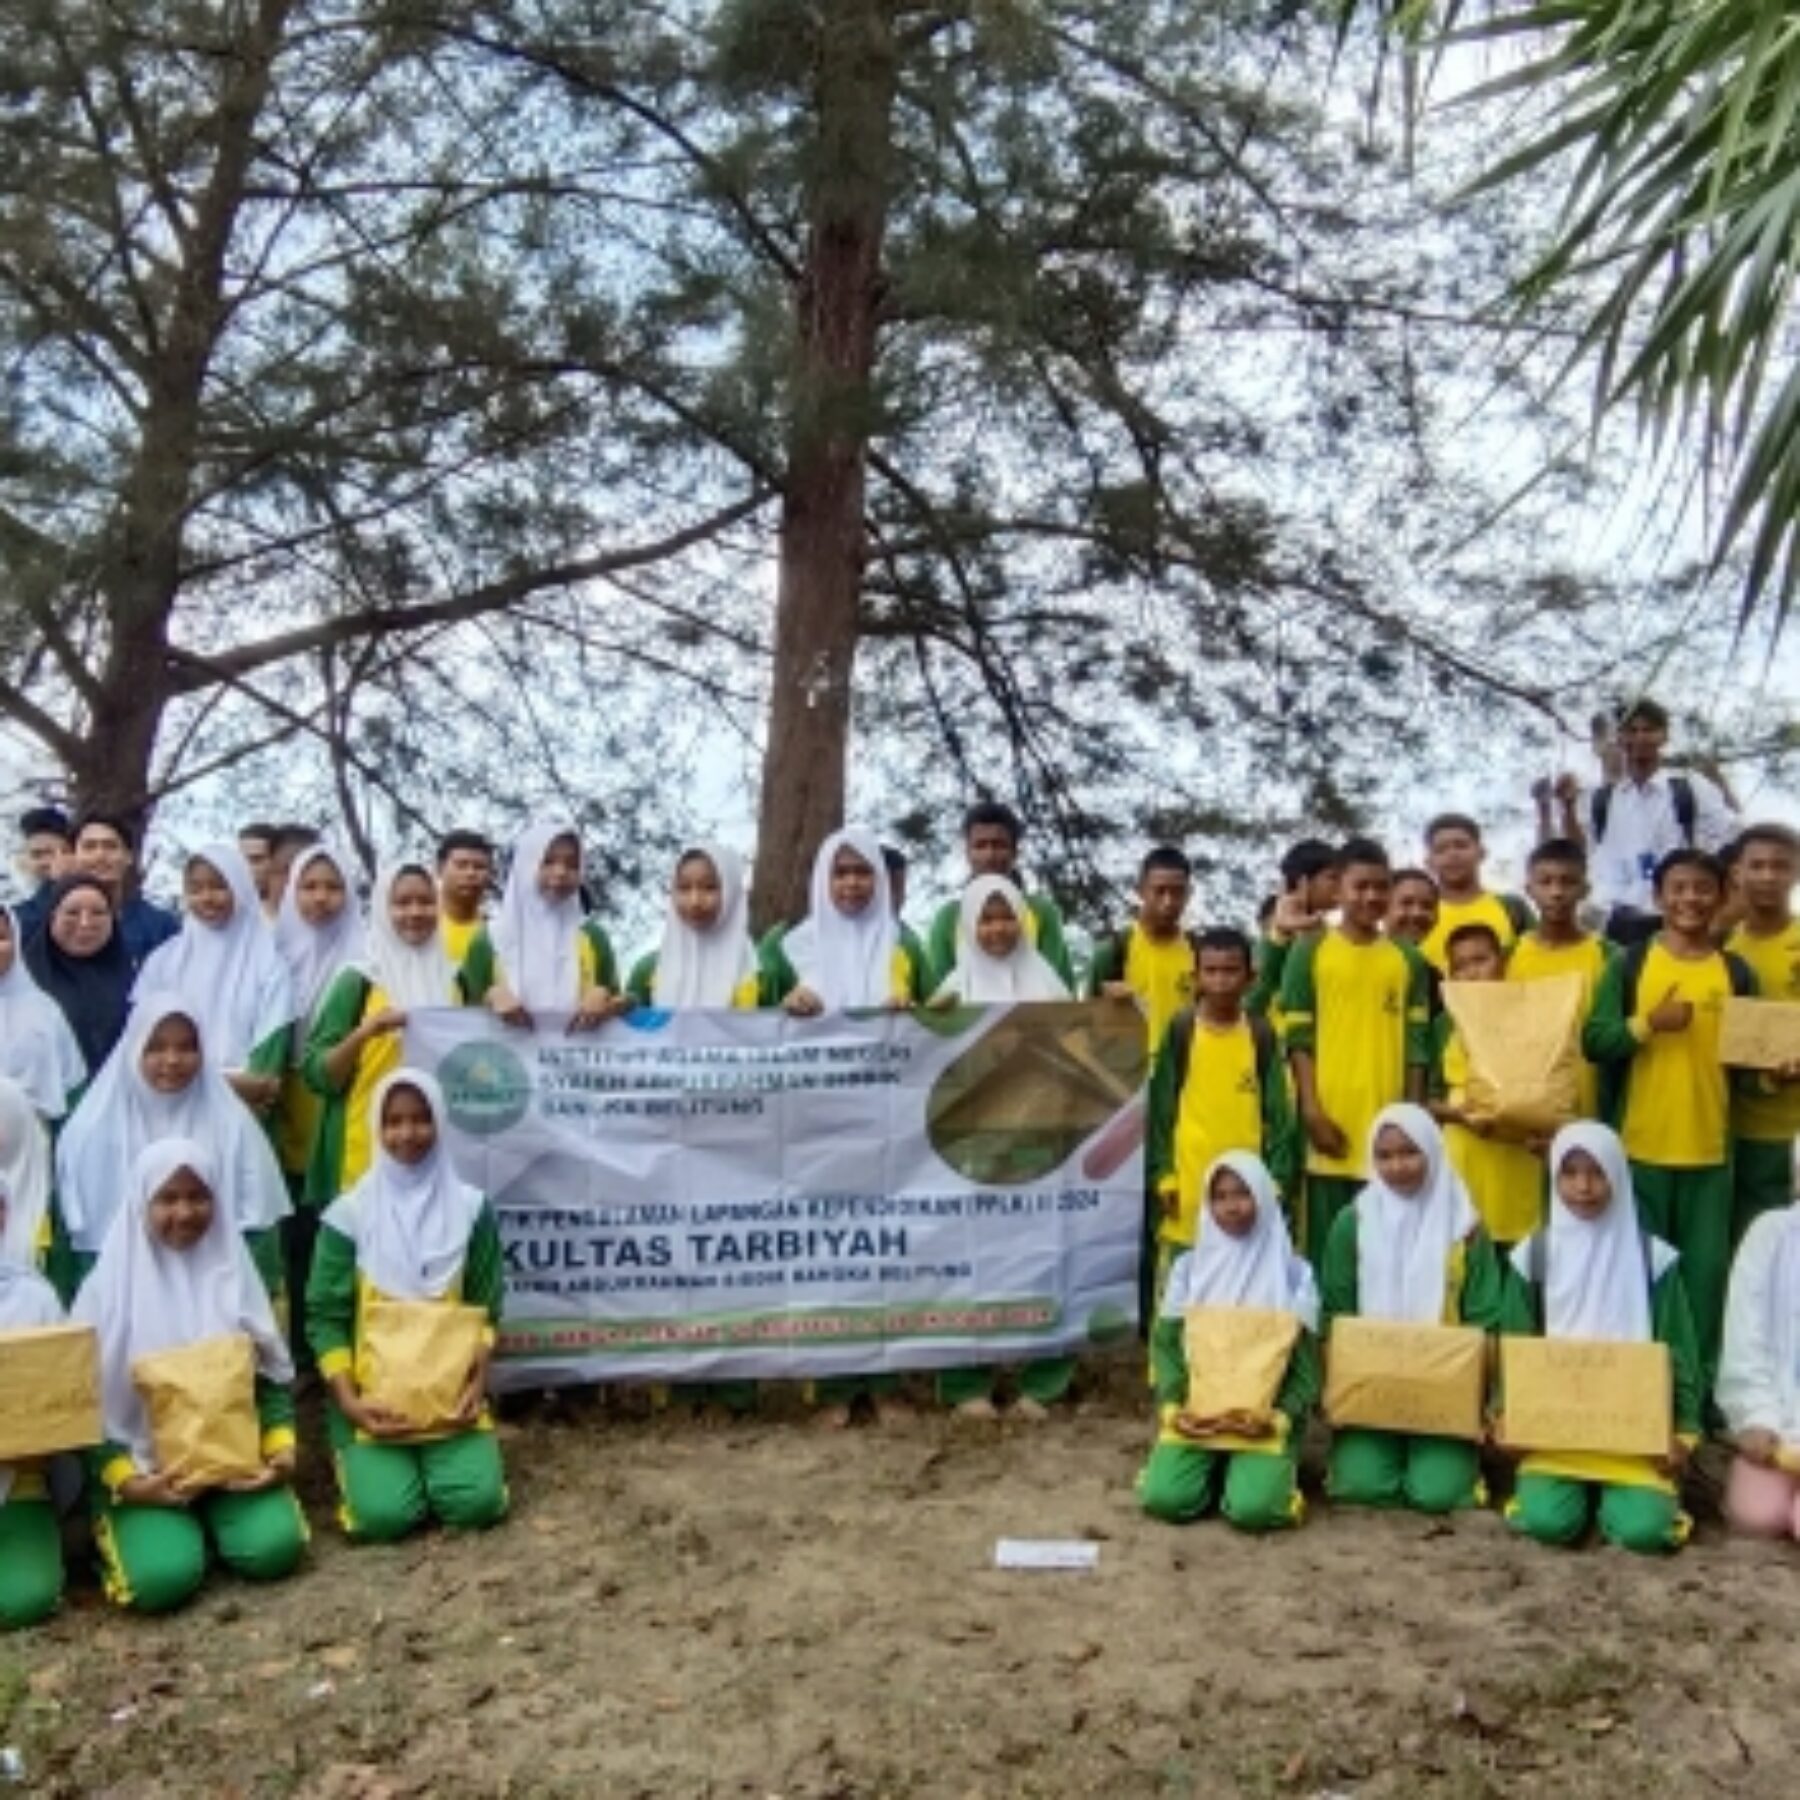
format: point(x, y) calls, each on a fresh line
point(487, 1088)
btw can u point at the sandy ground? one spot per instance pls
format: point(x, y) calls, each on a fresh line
point(770, 1609)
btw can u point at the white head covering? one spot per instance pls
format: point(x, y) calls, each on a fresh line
point(409, 974)
point(24, 1177)
point(37, 1048)
point(1596, 1283)
point(979, 978)
point(410, 1225)
point(143, 1297)
point(121, 1113)
point(233, 973)
point(847, 959)
point(1258, 1269)
point(315, 953)
point(1403, 1242)
point(706, 968)
point(536, 939)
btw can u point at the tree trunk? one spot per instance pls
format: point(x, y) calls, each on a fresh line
point(823, 545)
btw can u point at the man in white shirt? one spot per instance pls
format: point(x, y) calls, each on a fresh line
point(1629, 825)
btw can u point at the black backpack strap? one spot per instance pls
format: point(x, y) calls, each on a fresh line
point(1262, 1035)
point(1178, 1045)
point(1631, 972)
point(1600, 808)
point(1681, 791)
point(1743, 978)
point(1518, 913)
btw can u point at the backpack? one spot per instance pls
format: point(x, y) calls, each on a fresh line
point(1681, 792)
point(1518, 913)
point(1179, 1045)
point(1631, 969)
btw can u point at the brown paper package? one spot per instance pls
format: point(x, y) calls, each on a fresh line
point(202, 1405)
point(1523, 1042)
point(417, 1355)
point(1236, 1358)
point(1608, 1399)
point(1429, 1380)
point(49, 1391)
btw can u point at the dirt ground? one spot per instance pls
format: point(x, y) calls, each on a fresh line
point(774, 1610)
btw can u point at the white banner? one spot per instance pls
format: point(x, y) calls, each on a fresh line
point(731, 1194)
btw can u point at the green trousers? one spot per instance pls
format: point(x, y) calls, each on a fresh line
point(1762, 1180)
point(153, 1558)
point(31, 1563)
point(1045, 1381)
point(1554, 1510)
point(1255, 1492)
point(1691, 1209)
point(1326, 1197)
point(1389, 1468)
point(387, 1490)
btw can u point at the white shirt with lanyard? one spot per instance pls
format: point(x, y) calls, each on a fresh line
point(1642, 827)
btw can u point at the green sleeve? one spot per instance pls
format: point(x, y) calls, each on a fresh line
point(1301, 1385)
point(1107, 963)
point(1168, 1361)
point(484, 1280)
point(331, 1295)
point(919, 982)
point(476, 976)
point(1164, 1104)
point(606, 964)
point(274, 1404)
point(339, 1014)
point(1483, 1296)
point(779, 977)
point(1437, 1084)
point(1284, 1148)
point(270, 1057)
point(940, 940)
point(640, 984)
point(1298, 998)
point(1271, 962)
point(1338, 1282)
point(1418, 1008)
point(1607, 1036)
point(1519, 1307)
point(1051, 945)
point(1672, 1323)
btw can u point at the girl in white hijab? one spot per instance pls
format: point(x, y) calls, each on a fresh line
point(996, 960)
point(161, 1082)
point(24, 1178)
point(319, 928)
point(410, 1230)
point(539, 954)
point(1410, 1249)
point(37, 1048)
point(226, 965)
point(707, 957)
point(173, 1272)
point(844, 953)
point(1594, 1273)
point(1242, 1257)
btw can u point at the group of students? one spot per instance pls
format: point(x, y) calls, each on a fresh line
point(208, 1130)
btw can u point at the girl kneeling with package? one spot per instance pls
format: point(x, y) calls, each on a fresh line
point(1241, 1460)
point(407, 1272)
point(174, 1288)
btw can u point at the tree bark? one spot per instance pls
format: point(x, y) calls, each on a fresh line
point(823, 543)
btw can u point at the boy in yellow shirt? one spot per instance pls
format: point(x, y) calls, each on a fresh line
point(1655, 1031)
point(465, 868)
point(1454, 853)
point(1765, 1124)
point(1354, 1021)
point(1556, 879)
point(1152, 958)
point(1309, 895)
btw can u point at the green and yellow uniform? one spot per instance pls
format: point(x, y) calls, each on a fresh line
point(1159, 971)
point(388, 1487)
point(343, 1146)
point(480, 970)
point(1391, 1468)
point(1505, 1181)
point(1043, 925)
point(640, 984)
point(1360, 1011)
point(1505, 914)
point(1765, 1120)
point(458, 936)
point(910, 982)
point(1534, 960)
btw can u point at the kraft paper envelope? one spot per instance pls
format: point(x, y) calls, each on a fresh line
point(1523, 1042)
point(1426, 1379)
point(416, 1357)
point(1759, 1034)
point(1236, 1357)
point(1608, 1399)
point(202, 1405)
point(49, 1391)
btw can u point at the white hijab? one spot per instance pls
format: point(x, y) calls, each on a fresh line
point(27, 1301)
point(234, 973)
point(978, 978)
point(1259, 1269)
point(847, 959)
point(410, 1226)
point(37, 1048)
point(24, 1177)
point(410, 975)
point(121, 1114)
point(315, 953)
point(1403, 1242)
point(536, 939)
point(143, 1297)
point(706, 968)
point(1595, 1281)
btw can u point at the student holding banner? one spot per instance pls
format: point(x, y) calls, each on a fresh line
point(706, 957)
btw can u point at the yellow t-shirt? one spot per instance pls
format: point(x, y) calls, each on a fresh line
point(297, 1115)
point(458, 935)
point(380, 1057)
point(1676, 1112)
point(1505, 1181)
point(1360, 1023)
point(1220, 1110)
point(1161, 973)
point(1775, 962)
point(745, 997)
point(1484, 909)
point(1534, 960)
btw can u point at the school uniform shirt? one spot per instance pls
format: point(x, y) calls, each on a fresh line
point(27, 1303)
point(1505, 1181)
point(1641, 829)
point(1759, 1370)
point(1487, 909)
point(25, 1171)
point(717, 966)
point(1160, 971)
point(1769, 1117)
point(1534, 960)
point(458, 935)
point(1360, 1010)
point(1043, 925)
